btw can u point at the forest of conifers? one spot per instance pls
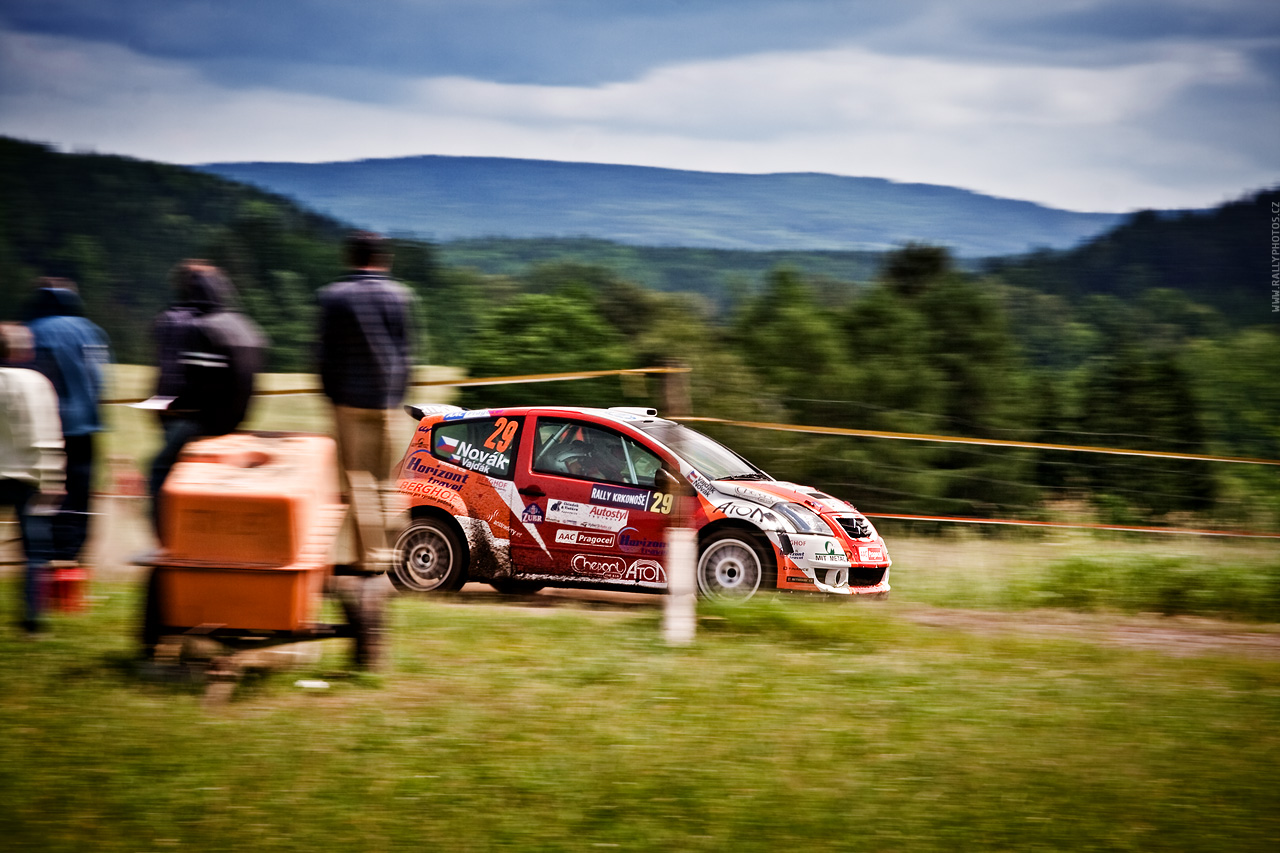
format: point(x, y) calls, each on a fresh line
point(1157, 335)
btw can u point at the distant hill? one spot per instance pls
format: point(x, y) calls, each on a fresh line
point(451, 198)
point(118, 226)
point(1220, 257)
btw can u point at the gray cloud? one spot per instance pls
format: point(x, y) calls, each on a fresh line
point(583, 42)
point(1086, 104)
point(550, 41)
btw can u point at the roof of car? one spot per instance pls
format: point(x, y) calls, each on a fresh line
point(631, 415)
point(620, 414)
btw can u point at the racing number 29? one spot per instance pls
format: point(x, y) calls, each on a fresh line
point(661, 503)
point(504, 430)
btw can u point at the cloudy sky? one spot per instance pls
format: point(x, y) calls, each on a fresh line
point(1102, 105)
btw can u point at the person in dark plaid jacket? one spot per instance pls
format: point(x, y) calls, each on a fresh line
point(366, 330)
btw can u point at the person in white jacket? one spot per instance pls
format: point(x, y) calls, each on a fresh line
point(31, 459)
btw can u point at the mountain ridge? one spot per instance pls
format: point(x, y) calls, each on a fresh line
point(444, 197)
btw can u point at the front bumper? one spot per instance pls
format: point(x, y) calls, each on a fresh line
point(822, 564)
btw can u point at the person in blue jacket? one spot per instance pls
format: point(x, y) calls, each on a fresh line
point(72, 352)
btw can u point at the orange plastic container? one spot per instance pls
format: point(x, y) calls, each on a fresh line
point(274, 599)
point(248, 499)
point(248, 523)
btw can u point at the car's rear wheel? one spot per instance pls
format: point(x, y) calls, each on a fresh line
point(429, 557)
point(510, 586)
point(734, 565)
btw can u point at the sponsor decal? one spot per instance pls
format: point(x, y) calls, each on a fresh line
point(470, 414)
point(507, 491)
point(630, 542)
point(870, 553)
point(606, 517)
point(645, 571)
point(532, 514)
point(498, 524)
point(747, 511)
point(700, 484)
point(619, 496)
point(598, 565)
point(431, 491)
point(420, 463)
point(801, 579)
point(795, 556)
point(587, 515)
point(607, 568)
point(829, 554)
point(585, 538)
point(478, 459)
point(755, 495)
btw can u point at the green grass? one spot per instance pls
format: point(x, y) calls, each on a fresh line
point(1169, 574)
point(788, 725)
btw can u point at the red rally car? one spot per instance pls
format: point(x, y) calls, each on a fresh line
point(523, 498)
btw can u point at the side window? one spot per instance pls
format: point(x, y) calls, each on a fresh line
point(486, 446)
point(587, 452)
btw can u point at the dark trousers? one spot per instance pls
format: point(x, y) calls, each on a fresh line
point(71, 525)
point(177, 433)
point(36, 544)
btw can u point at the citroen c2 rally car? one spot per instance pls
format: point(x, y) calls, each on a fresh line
point(523, 498)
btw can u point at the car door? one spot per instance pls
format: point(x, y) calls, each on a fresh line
point(599, 516)
point(484, 445)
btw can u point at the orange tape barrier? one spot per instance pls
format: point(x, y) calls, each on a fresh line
point(468, 383)
point(816, 430)
point(990, 442)
point(1186, 531)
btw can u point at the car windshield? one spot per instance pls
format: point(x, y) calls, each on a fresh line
point(711, 458)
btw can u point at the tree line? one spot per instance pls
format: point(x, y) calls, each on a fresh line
point(921, 344)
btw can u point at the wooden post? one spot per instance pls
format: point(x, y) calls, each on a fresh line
point(676, 400)
point(680, 613)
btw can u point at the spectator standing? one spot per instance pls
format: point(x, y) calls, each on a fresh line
point(210, 354)
point(72, 352)
point(31, 459)
point(364, 362)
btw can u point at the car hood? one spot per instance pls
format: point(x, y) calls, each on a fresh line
point(768, 493)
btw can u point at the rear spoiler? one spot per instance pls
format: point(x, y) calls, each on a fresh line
point(420, 412)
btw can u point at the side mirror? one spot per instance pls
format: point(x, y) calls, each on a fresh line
point(670, 484)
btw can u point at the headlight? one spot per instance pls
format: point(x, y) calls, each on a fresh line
point(803, 520)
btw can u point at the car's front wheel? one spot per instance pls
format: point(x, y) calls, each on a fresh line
point(734, 565)
point(429, 557)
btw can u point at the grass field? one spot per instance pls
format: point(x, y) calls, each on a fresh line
point(988, 705)
point(788, 725)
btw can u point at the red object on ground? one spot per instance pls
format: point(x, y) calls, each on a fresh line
point(65, 587)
